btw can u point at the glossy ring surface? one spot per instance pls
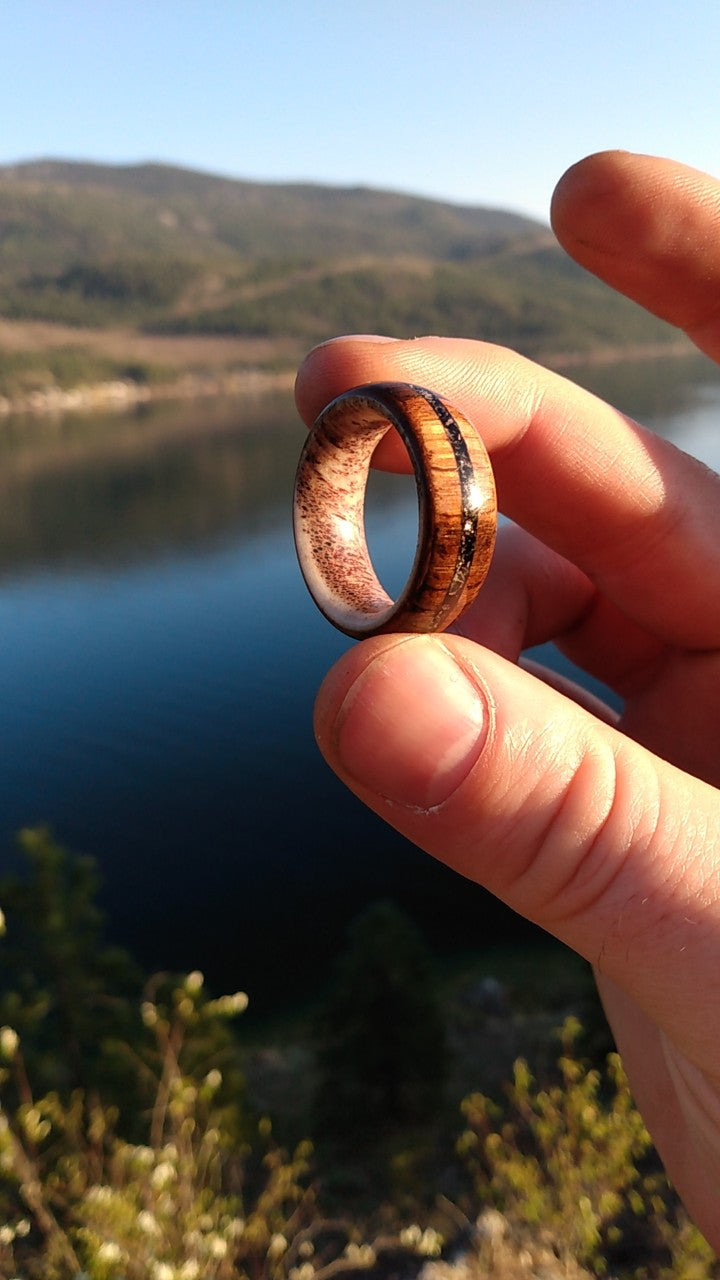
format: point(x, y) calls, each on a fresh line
point(457, 510)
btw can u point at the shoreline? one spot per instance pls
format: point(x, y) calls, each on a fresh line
point(610, 354)
point(120, 394)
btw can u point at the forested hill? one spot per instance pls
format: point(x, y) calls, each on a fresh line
point(163, 250)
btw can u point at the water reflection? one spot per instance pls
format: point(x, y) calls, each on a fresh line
point(81, 490)
point(160, 656)
point(659, 393)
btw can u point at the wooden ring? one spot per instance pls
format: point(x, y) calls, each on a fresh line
point(456, 502)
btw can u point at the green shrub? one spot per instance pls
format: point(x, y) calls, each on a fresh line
point(381, 1044)
point(128, 1150)
point(573, 1163)
point(70, 367)
point(79, 1198)
point(126, 1143)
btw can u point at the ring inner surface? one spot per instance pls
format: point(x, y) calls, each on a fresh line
point(331, 538)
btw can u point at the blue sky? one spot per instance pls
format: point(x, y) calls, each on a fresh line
point(482, 103)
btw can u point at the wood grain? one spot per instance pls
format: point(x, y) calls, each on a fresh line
point(457, 508)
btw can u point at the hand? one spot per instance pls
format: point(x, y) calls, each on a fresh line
point(606, 833)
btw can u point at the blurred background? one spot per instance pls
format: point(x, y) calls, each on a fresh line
point(190, 196)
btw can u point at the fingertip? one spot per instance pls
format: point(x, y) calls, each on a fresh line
point(335, 686)
point(584, 191)
point(333, 367)
point(403, 718)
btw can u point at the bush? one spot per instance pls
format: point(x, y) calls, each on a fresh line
point(78, 1198)
point(128, 1150)
point(573, 1164)
point(125, 1136)
point(381, 1056)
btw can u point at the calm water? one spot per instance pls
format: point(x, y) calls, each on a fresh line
point(159, 660)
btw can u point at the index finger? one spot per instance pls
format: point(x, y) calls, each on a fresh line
point(638, 516)
point(649, 227)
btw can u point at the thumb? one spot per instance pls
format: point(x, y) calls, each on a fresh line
point(573, 825)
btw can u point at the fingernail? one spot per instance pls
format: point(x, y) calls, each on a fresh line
point(412, 725)
point(348, 337)
point(359, 337)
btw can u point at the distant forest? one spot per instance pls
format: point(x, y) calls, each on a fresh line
point(160, 250)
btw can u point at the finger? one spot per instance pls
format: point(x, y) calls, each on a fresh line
point(532, 596)
point(678, 1101)
point(639, 517)
point(651, 228)
point(570, 689)
point(516, 787)
point(672, 697)
point(615, 649)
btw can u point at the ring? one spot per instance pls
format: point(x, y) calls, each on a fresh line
point(457, 510)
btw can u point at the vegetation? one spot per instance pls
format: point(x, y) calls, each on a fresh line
point(381, 1055)
point(161, 250)
point(521, 301)
point(67, 367)
point(137, 1153)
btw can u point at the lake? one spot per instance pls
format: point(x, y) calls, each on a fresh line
point(160, 656)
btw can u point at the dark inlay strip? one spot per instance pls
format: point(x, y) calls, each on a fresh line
point(468, 492)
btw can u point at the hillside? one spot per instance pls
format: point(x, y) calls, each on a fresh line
point(143, 254)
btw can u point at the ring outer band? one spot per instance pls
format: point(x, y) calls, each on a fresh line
point(457, 510)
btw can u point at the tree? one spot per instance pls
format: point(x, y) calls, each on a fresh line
point(381, 1055)
point(62, 988)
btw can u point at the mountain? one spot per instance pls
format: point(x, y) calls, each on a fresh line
point(157, 250)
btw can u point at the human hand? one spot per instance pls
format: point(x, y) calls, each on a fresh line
point(605, 833)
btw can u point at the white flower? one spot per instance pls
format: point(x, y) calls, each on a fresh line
point(430, 1243)
point(411, 1236)
point(229, 1006)
point(216, 1246)
point(304, 1272)
point(7, 1235)
point(148, 1013)
point(362, 1255)
point(213, 1079)
point(277, 1246)
point(109, 1251)
point(148, 1223)
point(143, 1156)
point(3, 926)
point(194, 982)
point(162, 1271)
point(189, 1270)
point(100, 1193)
point(35, 1127)
point(162, 1175)
point(9, 1041)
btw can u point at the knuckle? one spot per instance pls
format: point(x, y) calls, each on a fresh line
point(585, 857)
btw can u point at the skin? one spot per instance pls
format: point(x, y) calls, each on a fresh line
point(606, 833)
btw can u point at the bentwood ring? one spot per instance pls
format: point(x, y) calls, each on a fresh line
point(457, 510)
